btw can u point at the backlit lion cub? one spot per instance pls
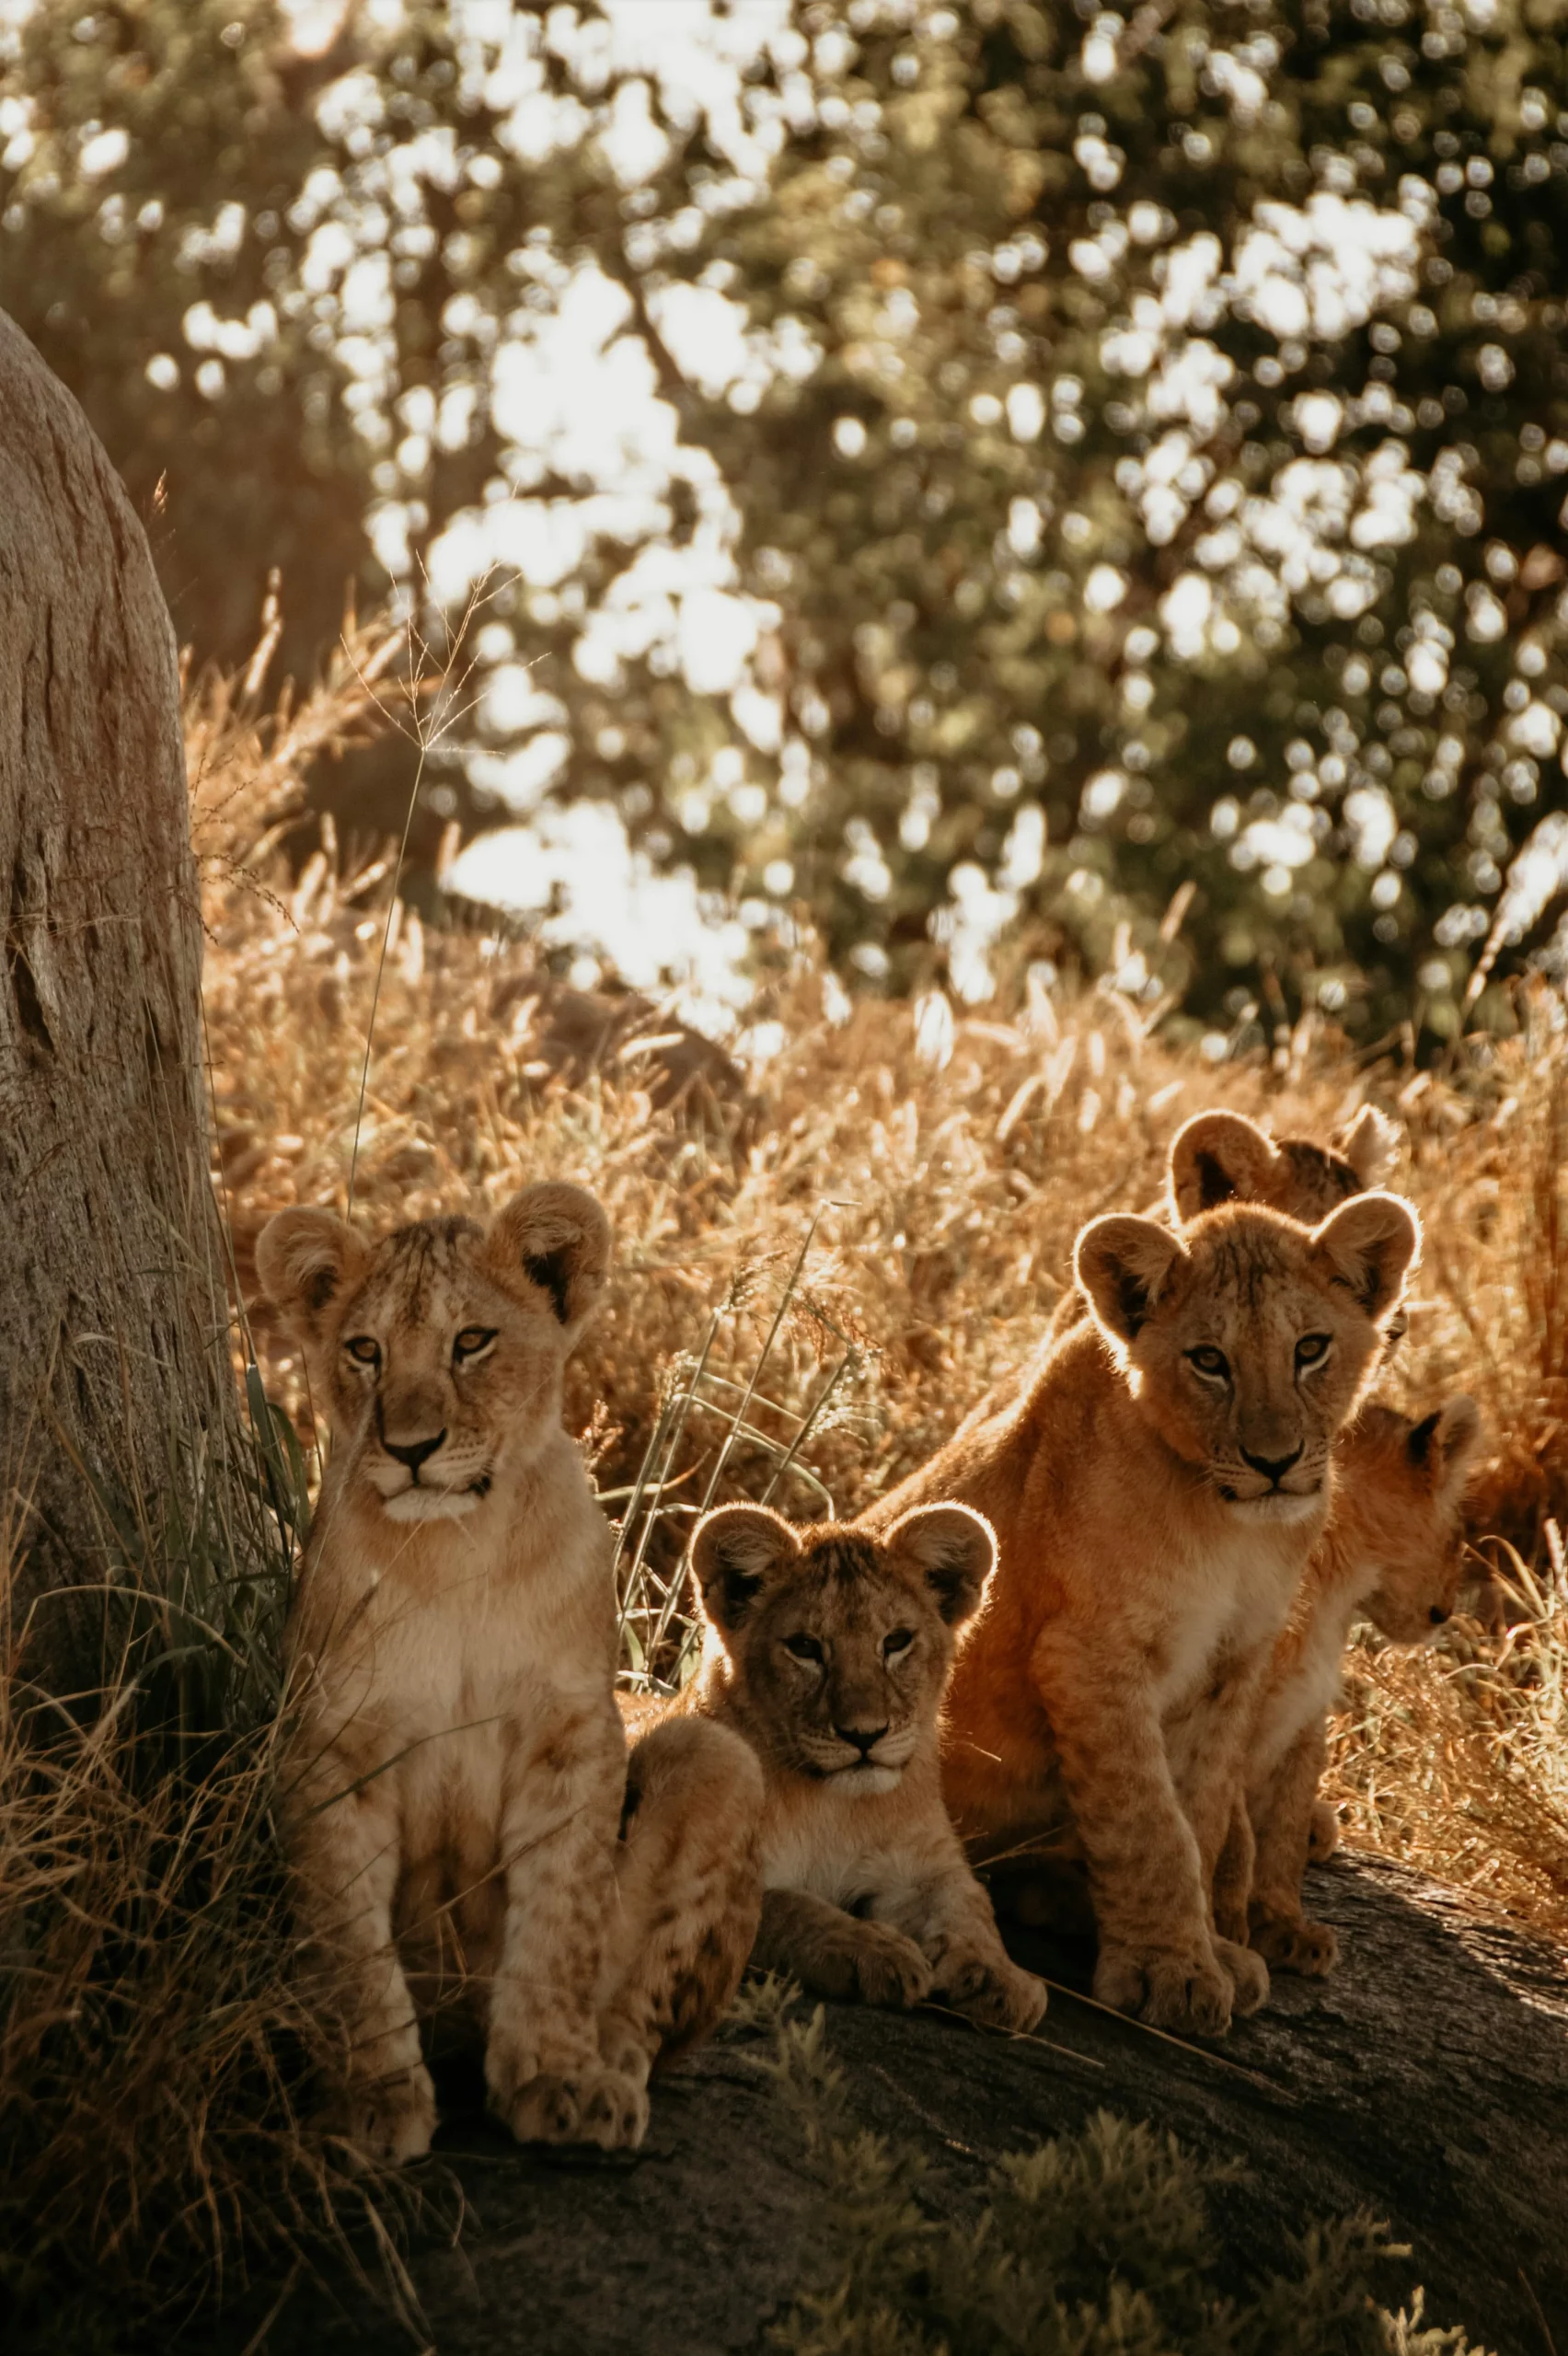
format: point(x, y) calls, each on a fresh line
point(1224, 1157)
point(1394, 1551)
point(1156, 1485)
point(828, 1650)
point(454, 1767)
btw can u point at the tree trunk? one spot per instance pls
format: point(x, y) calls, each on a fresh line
point(114, 1372)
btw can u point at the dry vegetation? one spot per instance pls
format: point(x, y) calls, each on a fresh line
point(940, 1166)
point(812, 1285)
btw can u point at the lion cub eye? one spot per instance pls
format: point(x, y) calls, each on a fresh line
point(363, 1350)
point(802, 1648)
point(1311, 1350)
point(1209, 1362)
point(899, 1641)
point(472, 1343)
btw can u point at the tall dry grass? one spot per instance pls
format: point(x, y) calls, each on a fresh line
point(157, 2052)
point(811, 1288)
point(940, 1164)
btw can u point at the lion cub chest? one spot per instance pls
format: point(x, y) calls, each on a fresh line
point(1305, 1685)
point(1225, 1599)
point(476, 1715)
point(857, 1853)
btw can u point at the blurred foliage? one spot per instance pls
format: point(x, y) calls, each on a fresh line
point(1143, 446)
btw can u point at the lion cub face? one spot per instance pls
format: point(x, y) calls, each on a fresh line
point(439, 1351)
point(1404, 1508)
point(1246, 1339)
point(835, 1644)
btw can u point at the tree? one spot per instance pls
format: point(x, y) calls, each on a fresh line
point(1139, 437)
point(114, 1370)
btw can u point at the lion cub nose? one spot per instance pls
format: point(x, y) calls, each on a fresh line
point(1437, 1615)
point(861, 1738)
point(413, 1452)
point(1273, 1467)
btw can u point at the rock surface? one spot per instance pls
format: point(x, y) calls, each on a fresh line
point(1427, 2080)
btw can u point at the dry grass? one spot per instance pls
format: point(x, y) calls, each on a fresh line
point(941, 1166)
point(905, 1188)
point(159, 2049)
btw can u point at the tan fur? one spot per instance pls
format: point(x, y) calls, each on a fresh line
point(1394, 1551)
point(455, 1766)
point(827, 1650)
point(1154, 1523)
point(1220, 1157)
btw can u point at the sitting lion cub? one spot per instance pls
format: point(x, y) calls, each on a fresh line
point(828, 1650)
point(1394, 1551)
point(455, 1773)
point(1156, 1484)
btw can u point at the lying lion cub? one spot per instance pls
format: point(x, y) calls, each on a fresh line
point(828, 1650)
point(1156, 1485)
point(455, 1772)
point(1394, 1551)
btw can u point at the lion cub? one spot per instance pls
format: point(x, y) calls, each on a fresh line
point(828, 1650)
point(1156, 1485)
point(1394, 1551)
point(1220, 1157)
point(455, 1773)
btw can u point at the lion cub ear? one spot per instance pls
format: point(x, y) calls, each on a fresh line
point(954, 1548)
point(308, 1260)
point(1370, 1145)
point(559, 1238)
point(1220, 1158)
point(736, 1550)
point(1124, 1265)
point(1369, 1246)
point(1444, 1444)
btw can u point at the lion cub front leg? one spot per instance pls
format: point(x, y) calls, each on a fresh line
point(543, 2067)
point(838, 1955)
point(1158, 1956)
point(1233, 1876)
point(1211, 1744)
point(1281, 1930)
point(949, 1915)
point(688, 1892)
point(343, 1840)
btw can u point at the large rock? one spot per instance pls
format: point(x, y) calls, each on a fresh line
point(1426, 2081)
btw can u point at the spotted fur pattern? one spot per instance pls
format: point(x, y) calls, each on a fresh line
point(1157, 1483)
point(827, 1650)
point(455, 1766)
point(1394, 1552)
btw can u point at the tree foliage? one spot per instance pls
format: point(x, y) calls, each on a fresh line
point(1129, 445)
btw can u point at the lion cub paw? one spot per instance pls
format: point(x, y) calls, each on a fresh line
point(1324, 1837)
point(1190, 1994)
point(876, 1963)
point(391, 2121)
point(997, 1994)
point(601, 2107)
point(1296, 1944)
point(1247, 1974)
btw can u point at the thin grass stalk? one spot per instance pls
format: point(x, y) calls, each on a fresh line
point(809, 1422)
point(773, 1331)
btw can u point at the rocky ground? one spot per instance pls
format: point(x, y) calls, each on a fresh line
point(1427, 2080)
